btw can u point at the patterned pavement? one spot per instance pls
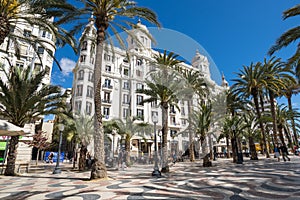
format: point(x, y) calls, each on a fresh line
point(262, 179)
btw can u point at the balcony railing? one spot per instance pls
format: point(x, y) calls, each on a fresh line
point(107, 86)
point(106, 101)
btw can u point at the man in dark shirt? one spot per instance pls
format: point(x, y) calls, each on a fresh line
point(284, 152)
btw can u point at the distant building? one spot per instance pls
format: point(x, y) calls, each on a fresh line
point(120, 79)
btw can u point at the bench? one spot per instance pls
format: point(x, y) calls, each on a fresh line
point(18, 167)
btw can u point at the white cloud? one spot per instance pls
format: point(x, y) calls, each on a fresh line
point(67, 65)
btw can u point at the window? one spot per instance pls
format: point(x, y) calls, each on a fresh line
point(79, 90)
point(90, 91)
point(140, 114)
point(139, 72)
point(139, 100)
point(84, 46)
point(106, 97)
point(139, 62)
point(91, 76)
point(108, 68)
point(107, 83)
point(20, 65)
point(80, 75)
point(154, 103)
point(40, 50)
point(126, 85)
point(172, 109)
point(106, 112)
point(82, 58)
point(88, 109)
point(183, 122)
point(78, 106)
point(92, 48)
point(182, 111)
point(43, 34)
point(173, 120)
point(125, 112)
point(106, 57)
point(173, 133)
point(92, 60)
point(126, 72)
point(139, 86)
point(125, 98)
point(27, 33)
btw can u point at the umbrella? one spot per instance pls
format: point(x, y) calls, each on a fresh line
point(9, 129)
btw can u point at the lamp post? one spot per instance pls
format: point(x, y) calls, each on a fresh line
point(239, 155)
point(156, 171)
point(57, 169)
point(160, 140)
point(113, 146)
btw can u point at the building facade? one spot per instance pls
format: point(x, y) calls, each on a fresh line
point(121, 76)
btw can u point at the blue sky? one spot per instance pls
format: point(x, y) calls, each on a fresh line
point(233, 32)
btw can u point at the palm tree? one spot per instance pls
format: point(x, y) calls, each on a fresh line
point(291, 89)
point(84, 125)
point(166, 87)
point(250, 83)
point(113, 16)
point(197, 86)
point(128, 129)
point(34, 13)
point(19, 108)
point(201, 121)
point(276, 75)
point(250, 128)
point(289, 37)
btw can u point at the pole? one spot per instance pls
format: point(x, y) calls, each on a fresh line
point(57, 169)
point(156, 171)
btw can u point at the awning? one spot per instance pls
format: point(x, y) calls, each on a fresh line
point(9, 129)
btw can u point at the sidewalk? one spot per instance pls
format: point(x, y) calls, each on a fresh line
point(262, 179)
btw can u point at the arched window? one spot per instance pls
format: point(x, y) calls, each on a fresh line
point(80, 75)
point(84, 46)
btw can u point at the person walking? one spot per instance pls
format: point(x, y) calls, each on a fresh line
point(284, 153)
point(276, 152)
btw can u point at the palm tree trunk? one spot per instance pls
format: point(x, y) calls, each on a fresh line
point(98, 167)
point(12, 156)
point(191, 134)
point(293, 121)
point(252, 149)
point(255, 98)
point(82, 158)
point(281, 134)
point(274, 116)
point(127, 149)
point(165, 164)
point(288, 136)
point(234, 153)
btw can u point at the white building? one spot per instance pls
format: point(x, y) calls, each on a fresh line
point(120, 79)
point(28, 57)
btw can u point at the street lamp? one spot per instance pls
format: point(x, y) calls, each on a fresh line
point(57, 169)
point(160, 140)
point(239, 155)
point(156, 171)
point(113, 146)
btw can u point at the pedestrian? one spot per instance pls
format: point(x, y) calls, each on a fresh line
point(276, 152)
point(174, 157)
point(284, 152)
point(50, 157)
